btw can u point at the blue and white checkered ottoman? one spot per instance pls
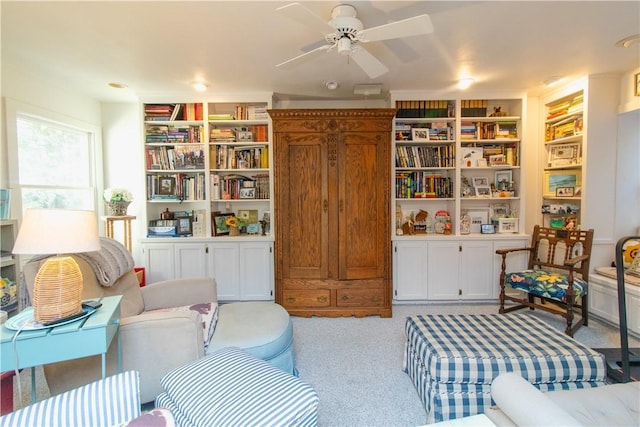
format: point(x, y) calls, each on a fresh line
point(452, 359)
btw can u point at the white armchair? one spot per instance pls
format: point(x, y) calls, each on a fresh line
point(153, 342)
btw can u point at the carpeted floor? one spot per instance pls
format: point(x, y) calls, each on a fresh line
point(355, 364)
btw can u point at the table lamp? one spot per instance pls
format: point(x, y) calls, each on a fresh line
point(57, 288)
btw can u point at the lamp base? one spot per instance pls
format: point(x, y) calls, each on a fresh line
point(57, 289)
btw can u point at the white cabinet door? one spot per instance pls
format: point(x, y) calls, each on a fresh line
point(409, 270)
point(443, 270)
point(191, 260)
point(159, 260)
point(256, 271)
point(224, 264)
point(476, 270)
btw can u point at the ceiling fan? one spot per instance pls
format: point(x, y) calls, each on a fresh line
point(346, 34)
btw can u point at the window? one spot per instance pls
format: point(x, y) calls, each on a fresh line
point(55, 161)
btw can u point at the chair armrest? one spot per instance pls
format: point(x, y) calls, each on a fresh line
point(571, 262)
point(176, 293)
point(507, 251)
point(155, 343)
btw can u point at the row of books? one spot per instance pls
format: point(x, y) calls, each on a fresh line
point(563, 129)
point(171, 112)
point(473, 107)
point(234, 187)
point(572, 106)
point(255, 133)
point(232, 157)
point(423, 156)
point(189, 187)
point(425, 184)
point(435, 131)
point(488, 130)
point(425, 109)
point(166, 134)
point(172, 158)
point(252, 112)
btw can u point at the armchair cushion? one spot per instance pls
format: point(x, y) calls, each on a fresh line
point(208, 312)
point(546, 284)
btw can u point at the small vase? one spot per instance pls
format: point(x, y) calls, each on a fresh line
point(117, 208)
point(234, 231)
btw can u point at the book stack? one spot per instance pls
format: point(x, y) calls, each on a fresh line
point(158, 112)
point(473, 107)
point(222, 134)
point(156, 134)
point(256, 112)
point(170, 158)
point(425, 109)
point(424, 184)
point(468, 130)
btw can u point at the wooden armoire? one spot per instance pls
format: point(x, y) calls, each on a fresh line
point(332, 205)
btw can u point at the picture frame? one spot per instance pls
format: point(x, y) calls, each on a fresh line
point(483, 191)
point(564, 154)
point(219, 224)
point(167, 185)
point(561, 178)
point(497, 160)
point(507, 225)
point(244, 136)
point(487, 229)
point(565, 191)
point(478, 181)
point(247, 193)
point(498, 210)
point(482, 163)
point(636, 84)
point(503, 176)
point(477, 217)
point(420, 134)
point(184, 226)
point(470, 156)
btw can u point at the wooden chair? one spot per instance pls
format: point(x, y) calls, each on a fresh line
point(557, 275)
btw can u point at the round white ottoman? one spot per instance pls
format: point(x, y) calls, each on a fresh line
point(264, 329)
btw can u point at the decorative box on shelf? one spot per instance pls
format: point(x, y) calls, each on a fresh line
point(506, 225)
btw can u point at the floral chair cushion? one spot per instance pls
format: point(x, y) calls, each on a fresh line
point(546, 284)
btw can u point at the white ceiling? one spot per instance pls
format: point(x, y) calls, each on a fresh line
point(160, 47)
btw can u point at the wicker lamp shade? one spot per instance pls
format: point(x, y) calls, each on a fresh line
point(57, 288)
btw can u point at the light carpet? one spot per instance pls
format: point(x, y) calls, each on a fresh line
point(355, 364)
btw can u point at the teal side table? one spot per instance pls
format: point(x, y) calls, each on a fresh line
point(84, 337)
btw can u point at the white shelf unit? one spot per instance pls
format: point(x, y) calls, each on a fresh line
point(232, 143)
point(10, 267)
point(420, 270)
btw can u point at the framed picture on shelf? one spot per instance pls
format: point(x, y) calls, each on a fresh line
point(563, 155)
point(561, 178)
point(482, 191)
point(184, 226)
point(219, 223)
point(487, 229)
point(503, 179)
point(166, 186)
point(497, 160)
point(420, 134)
point(247, 193)
point(498, 210)
point(470, 156)
point(565, 191)
point(244, 136)
point(480, 181)
point(478, 217)
point(507, 225)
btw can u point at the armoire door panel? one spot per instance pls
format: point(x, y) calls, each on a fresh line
point(304, 208)
point(363, 205)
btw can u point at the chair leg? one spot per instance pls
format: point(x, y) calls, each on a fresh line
point(585, 310)
point(502, 291)
point(568, 331)
point(532, 300)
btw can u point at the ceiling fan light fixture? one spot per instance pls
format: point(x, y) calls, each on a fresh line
point(367, 89)
point(628, 41)
point(344, 46)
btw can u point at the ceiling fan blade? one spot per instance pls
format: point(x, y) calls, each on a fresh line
point(305, 56)
point(305, 16)
point(368, 62)
point(415, 26)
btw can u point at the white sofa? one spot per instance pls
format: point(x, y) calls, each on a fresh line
point(518, 403)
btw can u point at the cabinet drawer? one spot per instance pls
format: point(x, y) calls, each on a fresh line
point(360, 297)
point(313, 298)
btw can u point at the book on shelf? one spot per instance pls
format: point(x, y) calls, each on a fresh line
point(213, 117)
point(425, 108)
point(215, 187)
point(423, 184)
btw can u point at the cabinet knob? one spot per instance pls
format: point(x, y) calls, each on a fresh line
point(376, 298)
point(322, 298)
point(291, 299)
point(345, 297)
point(325, 206)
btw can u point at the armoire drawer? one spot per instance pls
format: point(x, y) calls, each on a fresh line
point(312, 298)
point(360, 297)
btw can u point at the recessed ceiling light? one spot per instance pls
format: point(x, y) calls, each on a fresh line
point(464, 83)
point(628, 41)
point(117, 85)
point(200, 86)
point(332, 85)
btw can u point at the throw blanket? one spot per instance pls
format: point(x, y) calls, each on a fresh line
point(109, 263)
